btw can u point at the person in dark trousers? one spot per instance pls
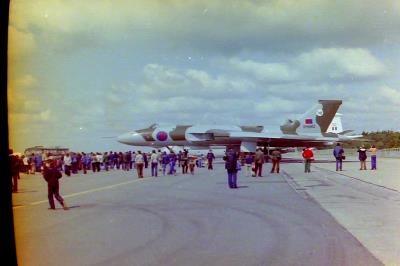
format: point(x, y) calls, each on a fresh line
point(210, 158)
point(258, 160)
point(154, 163)
point(15, 167)
point(276, 157)
point(308, 156)
point(164, 161)
point(146, 161)
point(185, 162)
point(338, 152)
point(231, 166)
point(51, 174)
point(362, 156)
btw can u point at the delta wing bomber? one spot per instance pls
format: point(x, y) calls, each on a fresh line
point(309, 130)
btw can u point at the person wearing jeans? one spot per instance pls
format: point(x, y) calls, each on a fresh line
point(154, 163)
point(373, 151)
point(338, 152)
point(231, 166)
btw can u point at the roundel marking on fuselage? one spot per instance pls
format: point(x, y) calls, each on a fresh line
point(162, 136)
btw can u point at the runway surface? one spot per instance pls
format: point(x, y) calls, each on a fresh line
point(117, 219)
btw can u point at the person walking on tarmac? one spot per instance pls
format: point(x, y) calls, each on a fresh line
point(338, 152)
point(258, 160)
point(51, 174)
point(15, 167)
point(308, 156)
point(231, 166)
point(276, 159)
point(362, 156)
point(210, 158)
point(373, 152)
point(139, 163)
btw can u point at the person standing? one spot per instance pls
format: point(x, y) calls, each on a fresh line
point(179, 158)
point(38, 162)
point(99, 162)
point(94, 162)
point(159, 158)
point(145, 159)
point(362, 156)
point(32, 163)
point(154, 163)
point(127, 158)
point(276, 157)
point(15, 167)
point(210, 158)
point(373, 152)
point(120, 160)
point(85, 162)
point(106, 159)
point(338, 152)
point(231, 165)
point(192, 163)
point(67, 164)
point(133, 157)
point(139, 163)
point(259, 160)
point(51, 174)
point(249, 161)
point(25, 161)
point(172, 162)
point(308, 156)
point(74, 163)
point(164, 161)
point(185, 162)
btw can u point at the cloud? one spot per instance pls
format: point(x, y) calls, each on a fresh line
point(272, 72)
point(318, 65)
point(227, 27)
point(340, 64)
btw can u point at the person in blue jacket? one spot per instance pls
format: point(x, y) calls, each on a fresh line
point(172, 162)
point(164, 161)
point(338, 152)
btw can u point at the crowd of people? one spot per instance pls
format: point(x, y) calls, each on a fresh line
point(161, 162)
point(80, 162)
point(339, 155)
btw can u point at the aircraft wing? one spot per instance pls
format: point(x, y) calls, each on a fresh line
point(279, 140)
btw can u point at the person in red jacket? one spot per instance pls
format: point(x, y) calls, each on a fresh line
point(308, 156)
point(51, 174)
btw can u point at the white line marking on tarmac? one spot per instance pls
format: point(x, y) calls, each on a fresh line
point(80, 193)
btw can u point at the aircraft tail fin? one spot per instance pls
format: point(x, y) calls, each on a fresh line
point(318, 118)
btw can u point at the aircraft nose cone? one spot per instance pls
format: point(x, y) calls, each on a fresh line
point(124, 138)
point(132, 138)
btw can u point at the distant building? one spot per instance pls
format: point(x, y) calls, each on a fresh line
point(40, 150)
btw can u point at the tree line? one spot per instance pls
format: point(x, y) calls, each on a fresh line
point(385, 139)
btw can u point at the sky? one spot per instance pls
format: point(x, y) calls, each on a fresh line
point(83, 72)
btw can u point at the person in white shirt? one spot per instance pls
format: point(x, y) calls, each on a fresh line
point(139, 162)
point(154, 163)
point(99, 157)
point(67, 164)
